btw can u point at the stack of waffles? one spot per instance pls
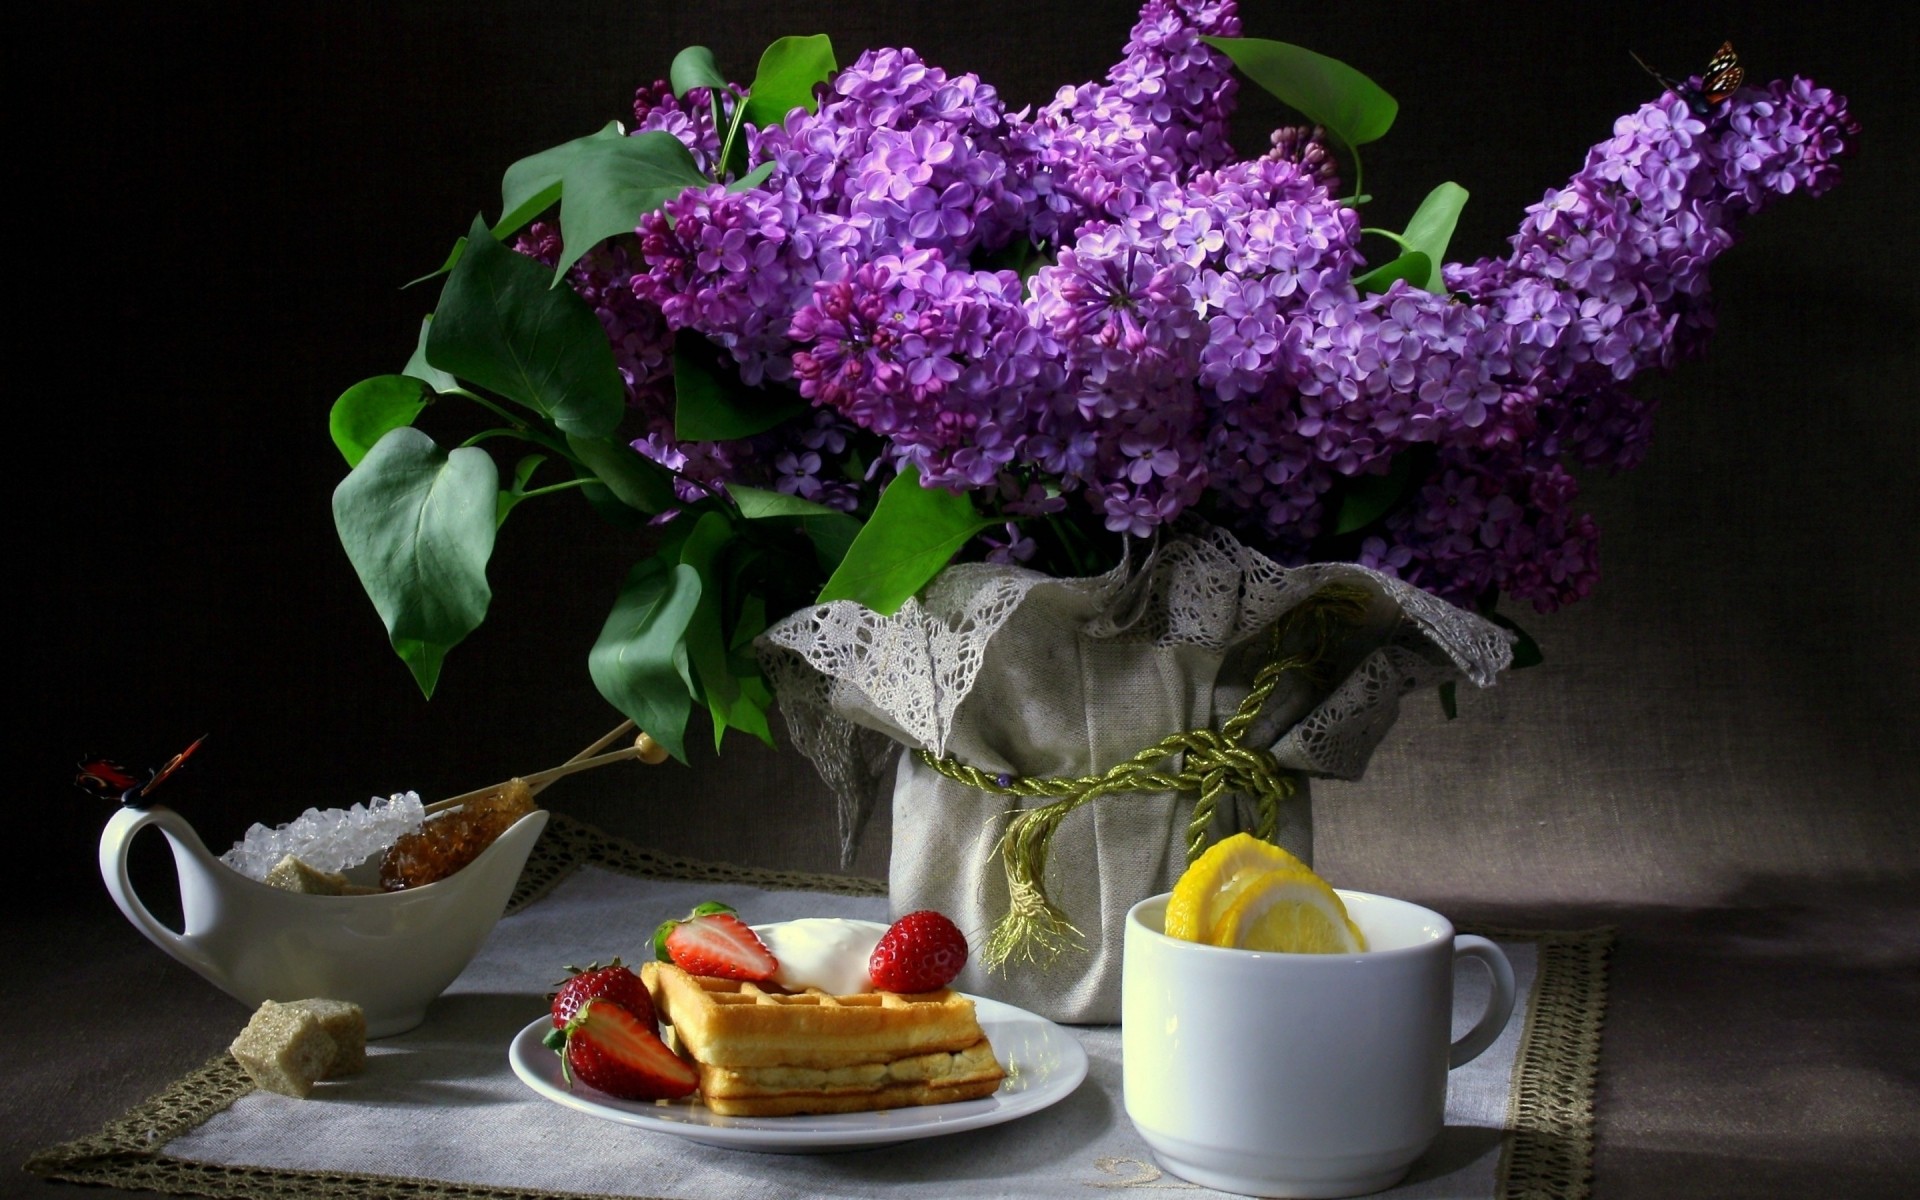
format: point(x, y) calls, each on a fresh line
point(762, 1052)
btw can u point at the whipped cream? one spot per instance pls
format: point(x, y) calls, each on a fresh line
point(829, 953)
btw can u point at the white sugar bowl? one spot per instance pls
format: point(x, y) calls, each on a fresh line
point(391, 953)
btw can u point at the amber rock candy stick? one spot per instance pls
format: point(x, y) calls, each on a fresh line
point(452, 839)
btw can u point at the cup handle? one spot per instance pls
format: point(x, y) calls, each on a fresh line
point(1499, 1007)
point(115, 841)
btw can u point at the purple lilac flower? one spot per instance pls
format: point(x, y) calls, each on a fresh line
point(937, 361)
point(1197, 338)
point(1162, 112)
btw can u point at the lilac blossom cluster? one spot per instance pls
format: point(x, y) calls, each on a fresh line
point(1194, 340)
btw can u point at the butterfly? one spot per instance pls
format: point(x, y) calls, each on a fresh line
point(1721, 79)
point(103, 776)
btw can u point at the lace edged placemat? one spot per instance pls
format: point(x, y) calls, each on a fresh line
point(1545, 1149)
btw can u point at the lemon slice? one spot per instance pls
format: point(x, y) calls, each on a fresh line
point(1215, 881)
point(1291, 912)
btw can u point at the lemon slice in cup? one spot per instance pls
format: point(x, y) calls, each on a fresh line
point(1216, 879)
point(1291, 912)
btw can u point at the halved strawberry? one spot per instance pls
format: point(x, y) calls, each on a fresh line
point(595, 982)
point(921, 952)
point(720, 944)
point(608, 1048)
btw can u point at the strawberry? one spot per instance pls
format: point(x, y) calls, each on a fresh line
point(921, 952)
point(719, 944)
point(613, 1051)
point(594, 982)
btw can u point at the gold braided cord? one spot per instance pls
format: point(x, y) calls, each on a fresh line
point(1214, 765)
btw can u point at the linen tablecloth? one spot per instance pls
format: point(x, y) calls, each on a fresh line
point(438, 1111)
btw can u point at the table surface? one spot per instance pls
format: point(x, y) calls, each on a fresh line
point(1765, 1050)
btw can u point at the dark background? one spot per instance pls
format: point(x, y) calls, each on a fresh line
point(216, 207)
point(227, 203)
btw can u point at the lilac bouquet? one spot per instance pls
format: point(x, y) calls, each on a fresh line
point(823, 333)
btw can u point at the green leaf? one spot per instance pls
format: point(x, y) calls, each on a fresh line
point(610, 183)
point(372, 408)
point(510, 497)
point(636, 480)
point(1020, 256)
point(1450, 699)
point(1432, 228)
point(1367, 498)
point(758, 504)
point(706, 646)
point(499, 325)
point(913, 533)
point(452, 260)
point(532, 185)
point(750, 625)
point(710, 404)
point(1412, 267)
point(832, 536)
point(639, 662)
point(830, 530)
point(418, 366)
point(752, 179)
point(1526, 651)
point(694, 68)
point(749, 712)
point(418, 525)
point(1325, 90)
point(789, 69)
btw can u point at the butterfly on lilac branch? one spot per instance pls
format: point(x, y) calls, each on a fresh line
point(104, 777)
point(1721, 79)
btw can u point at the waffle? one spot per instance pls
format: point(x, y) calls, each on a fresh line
point(732, 1023)
point(937, 1078)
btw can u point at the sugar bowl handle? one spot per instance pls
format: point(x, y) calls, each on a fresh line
point(192, 862)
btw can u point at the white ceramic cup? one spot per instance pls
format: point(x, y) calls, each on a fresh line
point(1298, 1074)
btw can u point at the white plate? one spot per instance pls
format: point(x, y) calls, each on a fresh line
point(1043, 1062)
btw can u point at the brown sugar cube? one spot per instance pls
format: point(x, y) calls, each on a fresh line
point(285, 1049)
point(347, 1026)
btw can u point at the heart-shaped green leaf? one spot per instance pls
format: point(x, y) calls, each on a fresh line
point(1432, 228)
point(639, 482)
point(694, 68)
point(418, 525)
point(1412, 267)
point(532, 185)
point(500, 326)
point(759, 504)
point(1365, 499)
point(711, 404)
point(639, 663)
point(1328, 92)
point(610, 183)
point(789, 69)
point(752, 179)
point(706, 646)
point(372, 408)
point(510, 497)
point(418, 366)
point(913, 533)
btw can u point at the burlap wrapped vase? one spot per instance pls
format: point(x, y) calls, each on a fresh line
point(1070, 741)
